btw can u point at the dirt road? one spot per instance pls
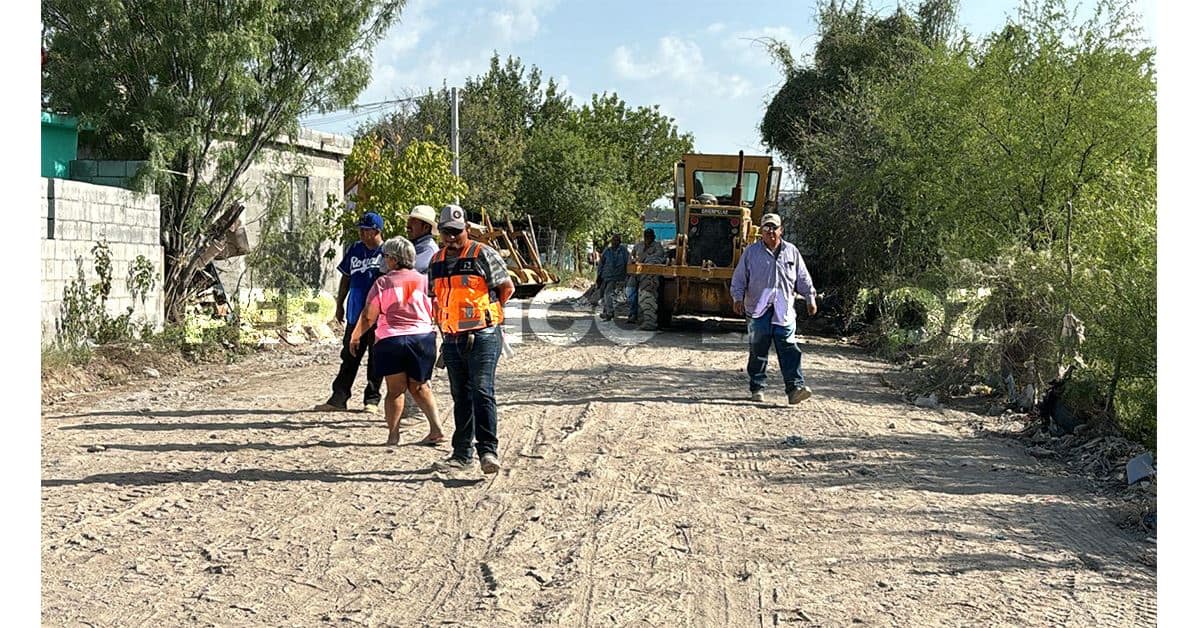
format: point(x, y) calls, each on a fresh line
point(639, 487)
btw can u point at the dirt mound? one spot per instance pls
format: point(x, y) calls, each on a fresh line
point(109, 366)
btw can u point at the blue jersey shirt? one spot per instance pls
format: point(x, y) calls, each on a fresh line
point(361, 264)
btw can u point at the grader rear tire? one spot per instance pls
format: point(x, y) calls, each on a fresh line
point(649, 302)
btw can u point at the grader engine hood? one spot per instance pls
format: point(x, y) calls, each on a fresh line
point(713, 234)
point(717, 202)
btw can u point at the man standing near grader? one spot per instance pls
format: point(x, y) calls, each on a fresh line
point(768, 277)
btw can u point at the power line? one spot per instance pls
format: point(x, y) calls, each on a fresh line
point(357, 110)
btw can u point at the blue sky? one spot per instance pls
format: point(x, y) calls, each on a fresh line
point(696, 60)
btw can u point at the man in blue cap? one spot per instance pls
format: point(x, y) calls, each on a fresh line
point(360, 267)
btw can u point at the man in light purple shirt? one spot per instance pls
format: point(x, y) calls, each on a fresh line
point(769, 276)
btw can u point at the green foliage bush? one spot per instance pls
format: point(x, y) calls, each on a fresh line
point(1013, 178)
point(83, 313)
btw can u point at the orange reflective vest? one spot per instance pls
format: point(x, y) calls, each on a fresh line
point(464, 302)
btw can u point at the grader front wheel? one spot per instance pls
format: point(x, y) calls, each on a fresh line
point(651, 310)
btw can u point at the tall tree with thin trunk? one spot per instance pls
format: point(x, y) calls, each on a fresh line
point(198, 88)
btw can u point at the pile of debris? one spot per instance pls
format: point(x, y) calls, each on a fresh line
point(1122, 468)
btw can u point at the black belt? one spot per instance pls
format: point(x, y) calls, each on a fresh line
point(469, 334)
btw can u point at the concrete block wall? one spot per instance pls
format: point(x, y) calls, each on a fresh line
point(76, 215)
point(106, 172)
point(318, 156)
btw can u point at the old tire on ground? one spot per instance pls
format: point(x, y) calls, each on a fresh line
point(649, 309)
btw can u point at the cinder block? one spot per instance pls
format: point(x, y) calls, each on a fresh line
point(50, 291)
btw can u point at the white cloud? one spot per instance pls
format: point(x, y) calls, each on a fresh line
point(674, 58)
point(412, 25)
point(435, 41)
point(733, 86)
point(749, 49)
point(715, 28)
point(681, 61)
point(519, 21)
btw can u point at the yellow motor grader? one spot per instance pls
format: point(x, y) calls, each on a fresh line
point(719, 201)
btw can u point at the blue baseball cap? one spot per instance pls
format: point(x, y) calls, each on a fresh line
point(371, 220)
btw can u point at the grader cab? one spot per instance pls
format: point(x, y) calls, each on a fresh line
point(719, 201)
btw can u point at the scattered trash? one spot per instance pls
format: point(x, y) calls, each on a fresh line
point(793, 441)
point(982, 390)
point(930, 402)
point(96, 448)
point(892, 425)
point(1139, 468)
point(151, 373)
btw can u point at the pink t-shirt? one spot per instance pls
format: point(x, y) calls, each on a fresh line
point(404, 304)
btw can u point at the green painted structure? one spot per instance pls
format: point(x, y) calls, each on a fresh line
point(60, 144)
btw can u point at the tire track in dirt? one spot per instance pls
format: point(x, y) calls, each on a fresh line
point(638, 487)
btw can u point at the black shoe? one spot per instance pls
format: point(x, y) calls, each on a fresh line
point(798, 395)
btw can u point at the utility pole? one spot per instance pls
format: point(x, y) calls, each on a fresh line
point(454, 135)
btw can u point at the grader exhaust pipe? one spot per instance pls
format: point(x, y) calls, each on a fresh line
point(737, 187)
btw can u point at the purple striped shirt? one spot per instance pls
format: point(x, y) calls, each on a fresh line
point(763, 279)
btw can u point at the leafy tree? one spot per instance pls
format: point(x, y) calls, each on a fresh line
point(562, 179)
point(198, 88)
point(496, 113)
point(1023, 165)
point(391, 183)
point(597, 169)
point(514, 149)
point(643, 143)
point(853, 43)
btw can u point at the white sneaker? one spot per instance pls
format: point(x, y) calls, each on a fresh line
point(758, 396)
point(489, 463)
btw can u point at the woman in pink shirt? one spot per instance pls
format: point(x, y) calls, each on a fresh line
point(405, 346)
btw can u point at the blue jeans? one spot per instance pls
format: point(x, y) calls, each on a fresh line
point(631, 294)
point(762, 334)
point(471, 369)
